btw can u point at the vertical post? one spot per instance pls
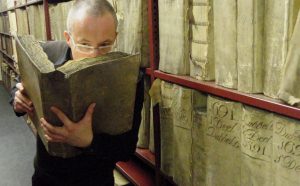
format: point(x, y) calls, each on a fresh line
point(154, 60)
point(47, 19)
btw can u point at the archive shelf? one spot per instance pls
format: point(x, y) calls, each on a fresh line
point(146, 156)
point(6, 34)
point(256, 100)
point(23, 5)
point(209, 87)
point(136, 173)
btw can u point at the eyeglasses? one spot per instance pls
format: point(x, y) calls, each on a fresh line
point(89, 49)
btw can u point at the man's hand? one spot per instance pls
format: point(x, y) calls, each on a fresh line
point(21, 102)
point(78, 134)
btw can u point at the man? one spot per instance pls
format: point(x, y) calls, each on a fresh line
point(91, 26)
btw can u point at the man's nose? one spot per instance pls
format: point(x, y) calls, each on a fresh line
point(96, 52)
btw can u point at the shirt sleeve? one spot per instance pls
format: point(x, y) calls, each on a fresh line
point(120, 147)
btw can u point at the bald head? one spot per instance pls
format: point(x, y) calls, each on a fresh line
point(83, 8)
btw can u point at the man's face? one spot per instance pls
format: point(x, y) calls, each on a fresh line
point(93, 32)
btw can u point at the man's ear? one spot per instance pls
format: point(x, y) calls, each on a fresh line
point(67, 37)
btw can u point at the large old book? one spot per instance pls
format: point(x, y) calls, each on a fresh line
point(202, 64)
point(174, 36)
point(289, 89)
point(256, 147)
point(36, 19)
point(109, 81)
point(222, 142)
point(225, 37)
point(58, 19)
point(166, 128)
point(133, 28)
point(250, 26)
point(280, 18)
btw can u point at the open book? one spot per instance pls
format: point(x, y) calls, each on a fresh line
point(109, 81)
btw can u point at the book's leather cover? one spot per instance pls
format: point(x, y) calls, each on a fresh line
point(109, 81)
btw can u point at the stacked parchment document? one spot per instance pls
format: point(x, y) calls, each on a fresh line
point(36, 20)
point(289, 89)
point(207, 140)
point(22, 22)
point(202, 40)
point(240, 44)
point(133, 28)
point(58, 19)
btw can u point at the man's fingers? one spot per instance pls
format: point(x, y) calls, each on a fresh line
point(89, 113)
point(66, 121)
point(19, 86)
point(53, 139)
point(23, 98)
point(21, 106)
point(53, 129)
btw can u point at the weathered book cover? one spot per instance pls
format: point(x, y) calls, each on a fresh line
point(133, 28)
point(222, 142)
point(174, 36)
point(256, 147)
point(225, 37)
point(202, 64)
point(166, 128)
point(286, 154)
point(109, 81)
point(289, 89)
point(280, 18)
point(182, 135)
point(250, 27)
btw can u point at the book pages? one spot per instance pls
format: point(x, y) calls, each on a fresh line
point(22, 22)
point(289, 89)
point(133, 28)
point(199, 156)
point(166, 128)
point(222, 139)
point(202, 40)
point(36, 18)
point(225, 42)
point(250, 27)
point(286, 151)
point(182, 128)
point(280, 18)
point(174, 36)
point(256, 147)
point(144, 130)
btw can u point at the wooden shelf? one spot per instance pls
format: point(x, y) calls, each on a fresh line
point(7, 55)
point(6, 34)
point(35, 2)
point(256, 100)
point(10, 65)
point(23, 6)
point(136, 174)
point(146, 156)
